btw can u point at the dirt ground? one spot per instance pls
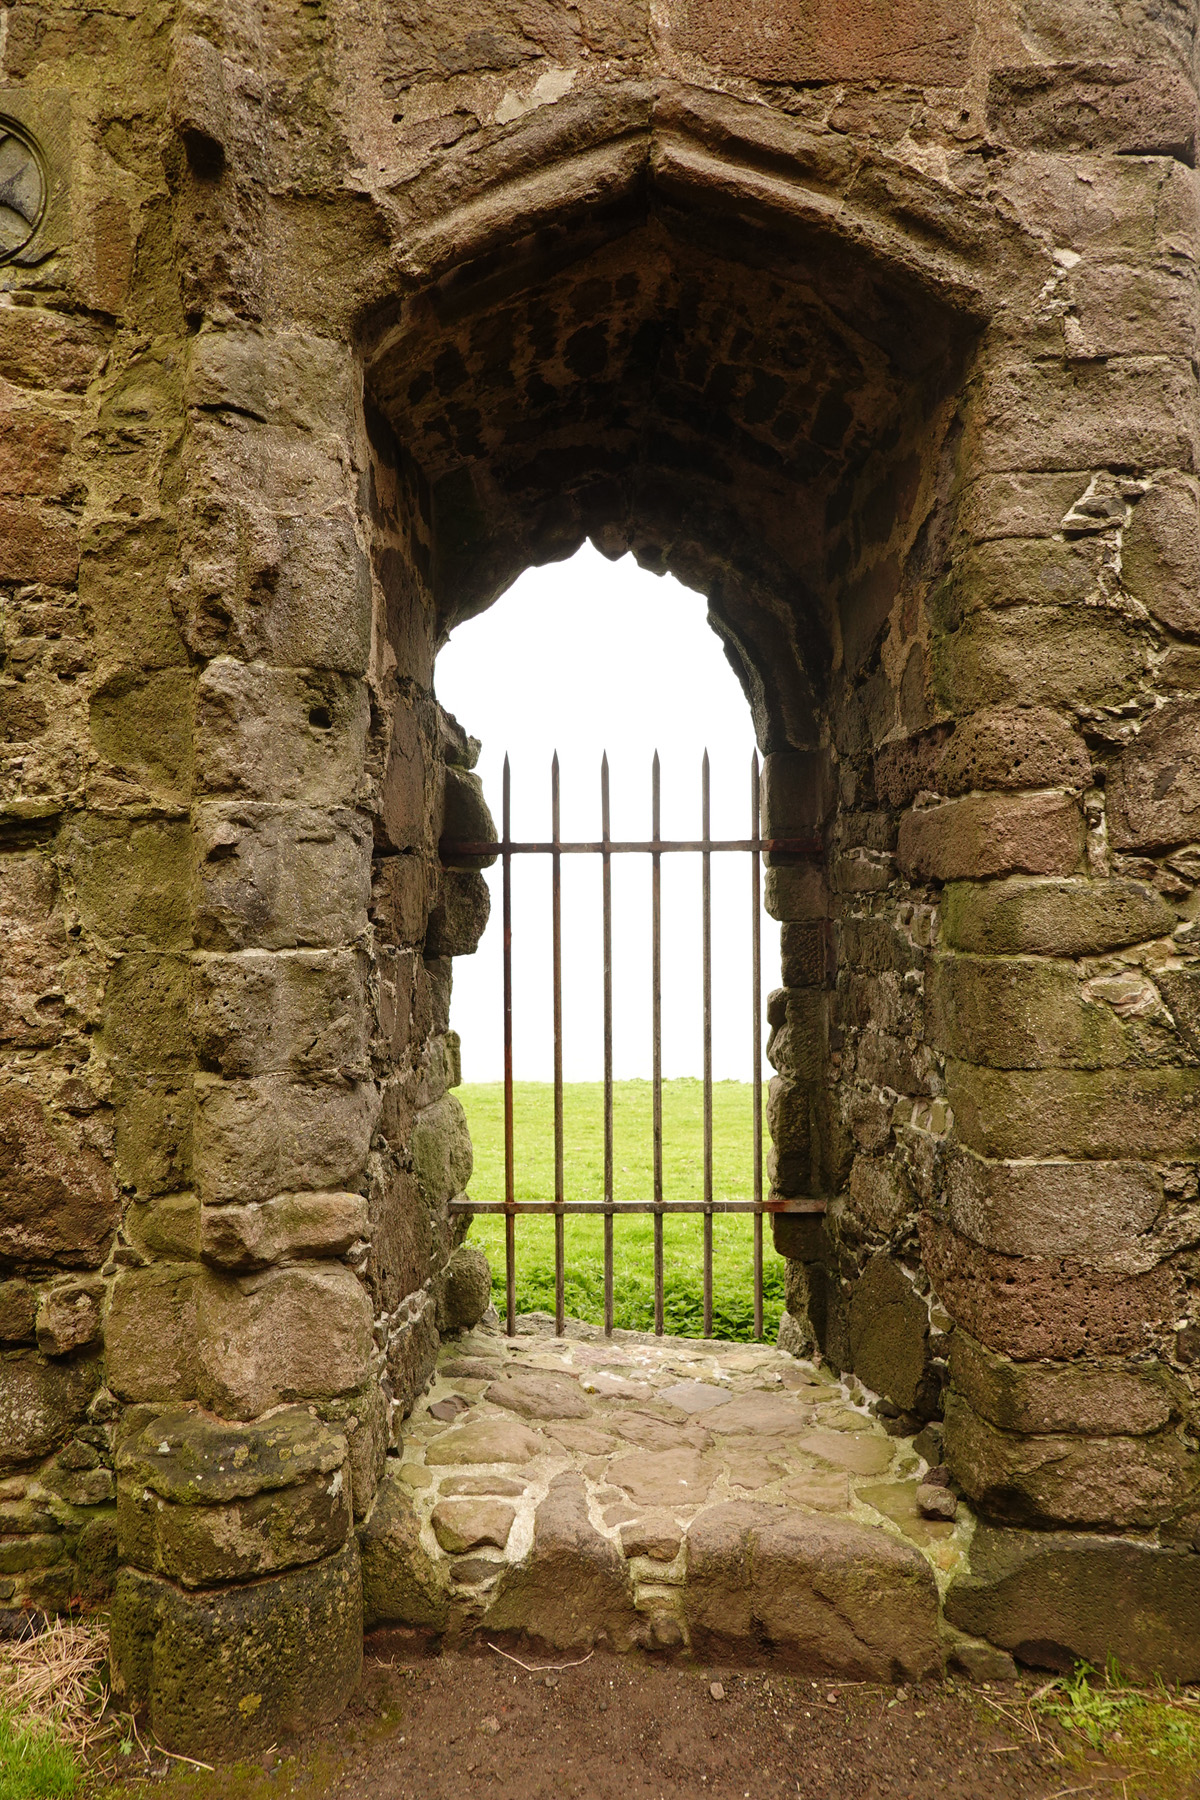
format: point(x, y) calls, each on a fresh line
point(620, 1728)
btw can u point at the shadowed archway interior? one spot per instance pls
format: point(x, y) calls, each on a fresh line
point(771, 421)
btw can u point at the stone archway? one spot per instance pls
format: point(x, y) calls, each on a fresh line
point(342, 323)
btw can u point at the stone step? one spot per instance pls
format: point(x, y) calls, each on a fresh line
point(660, 1493)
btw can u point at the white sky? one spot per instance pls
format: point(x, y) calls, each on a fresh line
point(583, 656)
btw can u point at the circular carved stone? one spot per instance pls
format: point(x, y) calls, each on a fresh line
point(22, 189)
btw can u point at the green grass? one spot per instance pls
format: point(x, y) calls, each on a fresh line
point(1154, 1732)
point(35, 1763)
point(633, 1259)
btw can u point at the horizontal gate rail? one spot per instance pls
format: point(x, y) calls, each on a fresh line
point(454, 851)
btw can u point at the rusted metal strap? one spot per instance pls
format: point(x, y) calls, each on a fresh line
point(453, 850)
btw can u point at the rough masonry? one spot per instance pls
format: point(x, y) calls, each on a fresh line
point(876, 320)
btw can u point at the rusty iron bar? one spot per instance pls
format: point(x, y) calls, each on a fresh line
point(559, 1180)
point(656, 981)
point(706, 922)
point(605, 826)
point(805, 1207)
point(756, 1002)
point(453, 849)
point(659, 1206)
point(510, 1189)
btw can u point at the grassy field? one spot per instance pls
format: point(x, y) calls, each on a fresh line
point(683, 1173)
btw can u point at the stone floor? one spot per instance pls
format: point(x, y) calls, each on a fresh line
point(669, 1493)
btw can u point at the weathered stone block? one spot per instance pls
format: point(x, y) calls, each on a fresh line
point(1102, 1214)
point(889, 1338)
point(33, 449)
point(69, 1315)
point(1007, 572)
point(1012, 747)
point(400, 899)
point(790, 1123)
point(818, 1594)
point(1122, 106)
point(227, 1671)
point(807, 954)
point(573, 1589)
point(200, 103)
point(797, 793)
point(150, 1333)
point(1116, 310)
point(798, 1043)
point(1016, 504)
point(1055, 1599)
point(1128, 411)
point(290, 1225)
point(992, 834)
point(459, 916)
point(466, 817)
point(278, 878)
point(465, 1289)
point(41, 1403)
point(1052, 918)
point(43, 348)
point(1053, 656)
point(1180, 988)
point(18, 1310)
point(124, 574)
point(58, 1198)
point(153, 1136)
point(1088, 1113)
point(141, 723)
point(132, 881)
point(1046, 1307)
point(37, 543)
point(280, 734)
point(797, 893)
point(165, 1229)
point(402, 1583)
point(365, 1418)
point(487, 1440)
point(1115, 1482)
point(255, 1139)
point(1091, 1399)
point(289, 1334)
point(263, 1011)
point(1154, 787)
point(1160, 551)
point(1020, 1013)
point(441, 1150)
point(412, 1354)
point(879, 1198)
point(33, 947)
point(202, 1501)
point(918, 41)
point(147, 1006)
point(289, 378)
point(461, 1525)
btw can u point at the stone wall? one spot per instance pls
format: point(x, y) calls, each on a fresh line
point(319, 324)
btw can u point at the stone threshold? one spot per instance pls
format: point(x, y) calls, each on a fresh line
point(662, 1493)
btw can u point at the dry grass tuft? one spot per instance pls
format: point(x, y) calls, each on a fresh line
point(52, 1681)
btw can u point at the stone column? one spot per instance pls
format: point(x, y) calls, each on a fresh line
point(1061, 1199)
point(237, 1529)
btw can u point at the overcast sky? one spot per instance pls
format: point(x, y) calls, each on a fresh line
point(583, 656)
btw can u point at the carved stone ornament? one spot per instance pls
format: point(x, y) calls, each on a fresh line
point(22, 189)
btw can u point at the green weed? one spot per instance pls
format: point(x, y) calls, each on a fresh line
point(35, 1763)
point(1154, 1731)
point(633, 1166)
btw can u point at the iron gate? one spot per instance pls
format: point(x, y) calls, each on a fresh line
point(655, 847)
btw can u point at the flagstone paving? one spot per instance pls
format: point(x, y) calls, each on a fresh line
point(665, 1493)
